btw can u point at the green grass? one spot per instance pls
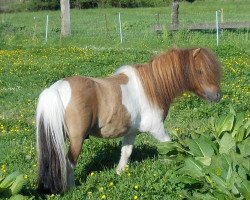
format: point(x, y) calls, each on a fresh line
point(28, 65)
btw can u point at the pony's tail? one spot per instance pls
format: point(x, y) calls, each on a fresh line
point(52, 166)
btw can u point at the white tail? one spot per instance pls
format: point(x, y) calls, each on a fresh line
point(52, 177)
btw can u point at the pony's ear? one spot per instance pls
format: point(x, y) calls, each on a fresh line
point(196, 52)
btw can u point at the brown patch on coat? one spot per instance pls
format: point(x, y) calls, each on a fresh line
point(96, 107)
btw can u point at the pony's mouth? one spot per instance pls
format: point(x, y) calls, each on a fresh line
point(212, 96)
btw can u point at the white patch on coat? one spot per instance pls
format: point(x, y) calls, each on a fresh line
point(144, 116)
point(64, 90)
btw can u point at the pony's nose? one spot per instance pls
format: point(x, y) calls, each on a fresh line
point(213, 96)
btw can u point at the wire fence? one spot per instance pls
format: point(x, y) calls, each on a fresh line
point(113, 25)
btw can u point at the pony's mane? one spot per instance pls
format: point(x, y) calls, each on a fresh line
point(169, 74)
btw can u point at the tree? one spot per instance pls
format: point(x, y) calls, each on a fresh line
point(65, 18)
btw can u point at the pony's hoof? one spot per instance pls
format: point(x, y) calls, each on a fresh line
point(119, 170)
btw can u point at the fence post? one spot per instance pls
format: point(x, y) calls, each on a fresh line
point(106, 24)
point(47, 25)
point(120, 27)
point(222, 15)
point(217, 27)
point(34, 30)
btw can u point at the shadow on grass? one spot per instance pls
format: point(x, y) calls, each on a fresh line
point(105, 159)
point(109, 156)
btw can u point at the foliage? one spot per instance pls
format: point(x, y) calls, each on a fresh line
point(218, 161)
point(44, 5)
point(35, 5)
point(84, 4)
point(11, 185)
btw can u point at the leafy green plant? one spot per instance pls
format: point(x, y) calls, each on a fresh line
point(218, 161)
point(11, 185)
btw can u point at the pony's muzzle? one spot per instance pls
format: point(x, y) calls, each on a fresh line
point(213, 96)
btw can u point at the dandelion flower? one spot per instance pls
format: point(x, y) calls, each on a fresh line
point(111, 184)
point(101, 189)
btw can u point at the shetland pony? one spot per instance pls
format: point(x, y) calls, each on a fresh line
point(136, 98)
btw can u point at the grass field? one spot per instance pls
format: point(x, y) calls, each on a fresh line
point(28, 65)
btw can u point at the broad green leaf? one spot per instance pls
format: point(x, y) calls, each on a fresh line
point(204, 160)
point(247, 124)
point(242, 172)
point(1, 177)
point(9, 180)
point(221, 166)
point(209, 140)
point(220, 183)
point(215, 166)
point(192, 168)
point(202, 196)
point(224, 124)
point(172, 158)
point(247, 127)
point(244, 147)
point(246, 164)
point(232, 111)
point(212, 122)
point(244, 189)
point(220, 196)
point(200, 147)
point(166, 147)
point(188, 179)
point(238, 123)
point(226, 163)
point(18, 185)
point(227, 143)
point(240, 160)
point(241, 134)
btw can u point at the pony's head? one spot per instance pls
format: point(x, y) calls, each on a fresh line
point(204, 74)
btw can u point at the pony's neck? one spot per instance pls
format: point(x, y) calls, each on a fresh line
point(164, 78)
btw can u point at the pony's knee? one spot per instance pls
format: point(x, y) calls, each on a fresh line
point(126, 151)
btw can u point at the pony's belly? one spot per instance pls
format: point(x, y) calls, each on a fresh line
point(110, 131)
point(113, 124)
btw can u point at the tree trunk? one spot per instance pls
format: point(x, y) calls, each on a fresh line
point(65, 18)
point(175, 13)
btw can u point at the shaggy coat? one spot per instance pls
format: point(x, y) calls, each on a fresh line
point(136, 98)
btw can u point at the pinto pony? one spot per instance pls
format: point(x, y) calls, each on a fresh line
point(136, 98)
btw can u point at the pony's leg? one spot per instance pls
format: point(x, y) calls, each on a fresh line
point(73, 154)
point(127, 147)
point(160, 134)
point(77, 131)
